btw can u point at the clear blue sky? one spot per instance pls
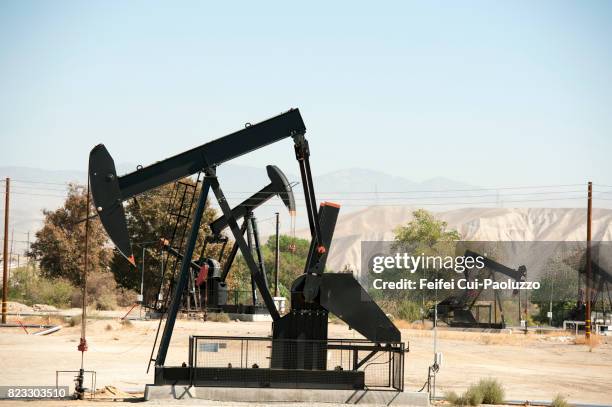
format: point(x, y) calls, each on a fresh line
point(489, 93)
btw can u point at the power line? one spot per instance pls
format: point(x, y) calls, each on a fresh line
point(30, 188)
point(229, 194)
point(490, 188)
point(436, 197)
point(367, 194)
point(441, 190)
point(33, 194)
point(41, 182)
point(464, 203)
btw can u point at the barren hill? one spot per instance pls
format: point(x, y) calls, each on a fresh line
point(486, 224)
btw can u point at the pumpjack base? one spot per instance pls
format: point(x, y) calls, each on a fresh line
point(270, 395)
point(260, 377)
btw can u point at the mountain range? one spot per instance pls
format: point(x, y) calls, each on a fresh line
point(372, 202)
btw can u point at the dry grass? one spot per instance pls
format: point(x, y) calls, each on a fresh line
point(504, 339)
point(417, 330)
point(402, 324)
point(555, 333)
point(593, 342)
point(217, 317)
point(43, 320)
point(560, 401)
point(126, 324)
point(75, 320)
point(478, 337)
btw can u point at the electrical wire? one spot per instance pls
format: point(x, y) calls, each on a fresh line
point(40, 182)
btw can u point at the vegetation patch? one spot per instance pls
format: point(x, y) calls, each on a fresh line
point(593, 342)
point(126, 323)
point(217, 317)
point(492, 391)
point(75, 320)
point(560, 401)
point(487, 391)
point(472, 397)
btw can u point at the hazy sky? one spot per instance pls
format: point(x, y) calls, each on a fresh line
point(489, 93)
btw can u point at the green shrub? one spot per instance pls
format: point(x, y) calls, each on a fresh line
point(492, 391)
point(451, 397)
point(560, 401)
point(472, 397)
point(217, 317)
point(106, 301)
point(102, 293)
point(125, 297)
point(29, 288)
point(409, 311)
point(56, 292)
point(487, 391)
point(75, 320)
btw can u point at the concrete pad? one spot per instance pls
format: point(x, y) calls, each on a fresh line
point(169, 392)
point(264, 395)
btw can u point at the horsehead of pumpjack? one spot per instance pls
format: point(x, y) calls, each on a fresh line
point(279, 185)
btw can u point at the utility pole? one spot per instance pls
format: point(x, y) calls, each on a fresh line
point(520, 318)
point(277, 257)
point(141, 297)
point(11, 249)
point(79, 389)
point(27, 259)
point(550, 307)
point(6, 253)
point(27, 254)
point(587, 317)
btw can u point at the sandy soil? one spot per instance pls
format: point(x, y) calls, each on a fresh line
point(531, 367)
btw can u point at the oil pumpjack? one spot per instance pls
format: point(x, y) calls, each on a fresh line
point(207, 273)
point(457, 310)
point(314, 294)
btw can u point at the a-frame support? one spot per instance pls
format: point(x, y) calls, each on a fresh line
point(210, 181)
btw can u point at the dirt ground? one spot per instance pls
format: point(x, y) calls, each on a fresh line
point(531, 367)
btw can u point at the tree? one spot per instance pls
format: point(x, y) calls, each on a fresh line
point(425, 231)
point(559, 286)
point(148, 222)
point(59, 244)
point(423, 235)
point(292, 262)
